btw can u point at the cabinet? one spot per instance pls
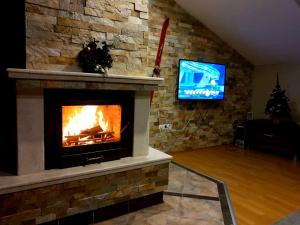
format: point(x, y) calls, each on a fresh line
point(282, 138)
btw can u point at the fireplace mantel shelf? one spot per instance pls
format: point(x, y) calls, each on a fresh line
point(31, 74)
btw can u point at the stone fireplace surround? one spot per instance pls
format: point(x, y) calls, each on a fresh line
point(146, 170)
point(30, 85)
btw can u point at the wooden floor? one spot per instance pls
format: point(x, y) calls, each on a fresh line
point(263, 188)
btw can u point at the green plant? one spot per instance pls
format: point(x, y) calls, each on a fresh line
point(94, 59)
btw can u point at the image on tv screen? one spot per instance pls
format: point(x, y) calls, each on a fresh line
point(200, 80)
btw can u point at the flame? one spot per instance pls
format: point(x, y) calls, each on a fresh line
point(103, 124)
point(80, 118)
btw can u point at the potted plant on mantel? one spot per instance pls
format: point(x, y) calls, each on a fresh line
point(277, 106)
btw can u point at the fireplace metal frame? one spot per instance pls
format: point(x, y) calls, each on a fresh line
point(57, 156)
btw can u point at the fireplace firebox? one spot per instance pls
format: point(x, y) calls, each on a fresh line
point(87, 126)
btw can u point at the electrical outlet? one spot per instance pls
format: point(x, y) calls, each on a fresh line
point(165, 127)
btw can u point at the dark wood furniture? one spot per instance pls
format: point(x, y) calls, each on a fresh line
point(282, 138)
point(239, 134)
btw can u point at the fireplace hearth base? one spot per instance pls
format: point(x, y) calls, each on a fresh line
point(59, 193)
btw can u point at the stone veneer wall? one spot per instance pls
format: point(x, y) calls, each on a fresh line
point(41, 205)
point(199, 124)
point(57, 29)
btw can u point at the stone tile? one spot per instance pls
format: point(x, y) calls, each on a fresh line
point(198, 185)
point(188, 221)
point(183, 181)
point(176, 178)
point(179, 210)
point(50, 4)
point(141, 8)
point(72, 197)
point(70, 24)
point(168, 220)
point(201, 209)
point(290, 219)
point(155, 219)
point(171, 212)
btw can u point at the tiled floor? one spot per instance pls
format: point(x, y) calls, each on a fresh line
point(291, 219)
point(191, 199)
point(187, 182)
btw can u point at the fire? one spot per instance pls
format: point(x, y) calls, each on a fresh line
point(82, 119)
point(90, 124)
point(103, 124)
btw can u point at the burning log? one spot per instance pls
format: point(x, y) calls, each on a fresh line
point(92, 131)
point(91, 135)
point(72, 138)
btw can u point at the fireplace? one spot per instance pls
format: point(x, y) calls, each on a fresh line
point(71, 118)
point(110, 114)
point(87, 126)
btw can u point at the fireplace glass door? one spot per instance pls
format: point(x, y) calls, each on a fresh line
point(87, 126)
point(90, 124)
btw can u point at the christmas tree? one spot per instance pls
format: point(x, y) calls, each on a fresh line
point(278, 106)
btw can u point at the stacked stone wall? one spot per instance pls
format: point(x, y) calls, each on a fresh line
point(57, 30)
point(44, 204)
point(203, 123)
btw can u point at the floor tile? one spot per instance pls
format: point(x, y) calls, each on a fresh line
point(186, 202)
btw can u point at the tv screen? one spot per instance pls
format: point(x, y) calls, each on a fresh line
point(200, 80)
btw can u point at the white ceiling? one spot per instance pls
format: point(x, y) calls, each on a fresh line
point(263, 31)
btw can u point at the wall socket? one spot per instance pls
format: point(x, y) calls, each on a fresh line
point(165, 127)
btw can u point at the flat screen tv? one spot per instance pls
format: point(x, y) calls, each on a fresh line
point(200, 80)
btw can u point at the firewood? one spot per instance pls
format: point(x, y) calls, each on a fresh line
point(92, 136)
point(72, 138)
point(92, 131)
